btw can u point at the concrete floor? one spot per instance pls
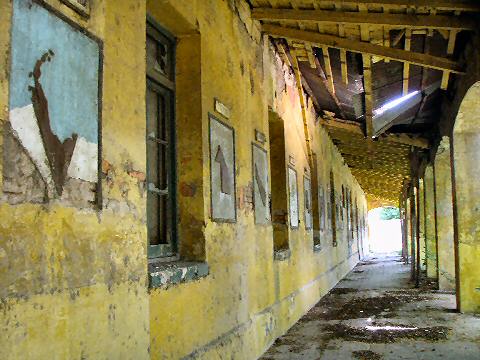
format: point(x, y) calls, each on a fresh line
point(375, 313)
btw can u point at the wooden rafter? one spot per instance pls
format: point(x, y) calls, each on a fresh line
point(324, 78)
point(328, 69)
point(343, 65)
point(356, 129)
point(406, 65)
point(310, 55)
point(393, 20)
point(363, 47)
point(452, 36)
point(451, 42)
point(367, 86)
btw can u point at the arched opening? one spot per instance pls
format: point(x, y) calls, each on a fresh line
point(384, 231)
point(466, 191)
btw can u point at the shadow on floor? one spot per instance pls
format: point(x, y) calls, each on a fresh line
point(375, 313)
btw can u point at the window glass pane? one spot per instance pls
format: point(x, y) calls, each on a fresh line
point(162, 220)
point(160, 53)
point(152, 145)
point(152, 173)
point(151, 53)
point(160, 156)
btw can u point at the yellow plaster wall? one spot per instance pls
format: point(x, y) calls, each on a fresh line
point(73, 283)
point(466, 156)
point(444, 208)
point(249, 298)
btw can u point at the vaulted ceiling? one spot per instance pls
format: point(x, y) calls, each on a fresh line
point(355, 57)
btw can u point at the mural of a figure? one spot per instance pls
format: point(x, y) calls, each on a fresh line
point(52, 136)
point(58, 153)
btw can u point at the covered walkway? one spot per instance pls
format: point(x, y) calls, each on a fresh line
point(376, 313)
point(193, 179)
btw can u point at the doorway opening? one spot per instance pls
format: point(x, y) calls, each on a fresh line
point(384, 231)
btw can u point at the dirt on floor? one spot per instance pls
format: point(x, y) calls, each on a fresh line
point(366, 355)
point(375, 313)
point(386, 333)
point(333, 307)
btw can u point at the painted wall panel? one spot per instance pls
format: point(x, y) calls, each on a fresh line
point(54, 100)
point(307, 189)
point(293, 198)
point(222, 164)
point(261, 187)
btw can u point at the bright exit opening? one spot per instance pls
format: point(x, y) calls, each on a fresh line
point(385, 231)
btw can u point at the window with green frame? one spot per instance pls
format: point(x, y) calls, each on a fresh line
point(160, 138)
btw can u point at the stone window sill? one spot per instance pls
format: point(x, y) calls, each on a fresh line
point(165, 274)
point(281, 255)
point(317, 248)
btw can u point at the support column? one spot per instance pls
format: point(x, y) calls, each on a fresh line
point(407, 228)
point(403, 221)
point(467, 194)
point(421, 214)
point(430, 232)
point(444, 206)
point(417, 234)
point(413, 238)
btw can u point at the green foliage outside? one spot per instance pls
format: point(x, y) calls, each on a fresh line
point(390, 213)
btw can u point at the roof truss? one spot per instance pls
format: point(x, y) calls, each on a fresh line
point(366, 48)
point(444, 22)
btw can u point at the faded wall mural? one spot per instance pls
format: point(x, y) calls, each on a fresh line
point(261, 186)
point(222, 167)
point(322, 207)
point(53, 134)
point(307, 189)
point(293, 198)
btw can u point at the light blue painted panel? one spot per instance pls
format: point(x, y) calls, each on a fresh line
point(70, 80)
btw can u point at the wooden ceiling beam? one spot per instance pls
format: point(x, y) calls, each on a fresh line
point(444, 22)
point(321, 40)
point(454, 5)
point(344, 125)
point(406, 139)
point(356, 128)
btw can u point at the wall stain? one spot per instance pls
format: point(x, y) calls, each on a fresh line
point(59, 154)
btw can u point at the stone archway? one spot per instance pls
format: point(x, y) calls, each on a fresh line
point(466, 195)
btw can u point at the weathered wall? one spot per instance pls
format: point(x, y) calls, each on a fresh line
point(444, 217)
point(74, 282)
point(430, 226)
point(460, 122)
point(249, 298)
point(466, 139)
